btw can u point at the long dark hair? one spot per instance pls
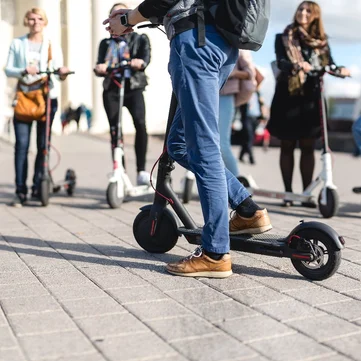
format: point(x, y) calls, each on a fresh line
point(316, 29)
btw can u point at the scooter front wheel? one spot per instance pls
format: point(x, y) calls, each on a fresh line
point(166, 234)
point(113, 199)
point(328, 256)
point(329, 209)
point(45, 192)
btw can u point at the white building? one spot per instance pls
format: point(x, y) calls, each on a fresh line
point(77, 25)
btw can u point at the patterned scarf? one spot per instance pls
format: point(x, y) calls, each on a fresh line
point(117, 51)
point(293, 37)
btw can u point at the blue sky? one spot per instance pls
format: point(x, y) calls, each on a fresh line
point(342, 22)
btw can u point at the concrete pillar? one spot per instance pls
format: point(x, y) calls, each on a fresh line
point(77, 49)
point(100, 10)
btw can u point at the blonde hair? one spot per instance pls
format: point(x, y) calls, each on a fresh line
point(37, 11)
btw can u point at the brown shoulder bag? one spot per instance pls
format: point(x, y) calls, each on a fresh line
point(30, 100)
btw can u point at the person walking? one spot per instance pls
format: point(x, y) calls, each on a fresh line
point(28, 55)
point(111, 51)
point(197, 74)
point(295, 115)
point(237, 90)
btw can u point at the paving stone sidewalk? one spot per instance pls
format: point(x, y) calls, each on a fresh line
point(75, 285)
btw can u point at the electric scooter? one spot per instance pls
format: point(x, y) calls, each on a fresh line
point(313, 247)
point(47, 184)
point(120, 188)
point(328, 200)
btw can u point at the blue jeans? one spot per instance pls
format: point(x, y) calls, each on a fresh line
point(226, 115)
point(22, 137)
point(356, 131)
point(197, 74)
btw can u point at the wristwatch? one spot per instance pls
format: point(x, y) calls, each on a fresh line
point(124, 20)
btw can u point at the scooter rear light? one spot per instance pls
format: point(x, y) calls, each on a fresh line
point(342, 240)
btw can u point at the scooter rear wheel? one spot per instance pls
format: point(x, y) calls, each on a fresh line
point(330, 209)
point(328, 256)
point(165, 237)
point(44, 192)
point(112, 195)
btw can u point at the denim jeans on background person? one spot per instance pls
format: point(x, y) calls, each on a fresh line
point(197, 74)
point(22, 142)
point(226, 115)
point(356, 131)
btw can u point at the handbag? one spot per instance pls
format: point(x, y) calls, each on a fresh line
point(30, 100)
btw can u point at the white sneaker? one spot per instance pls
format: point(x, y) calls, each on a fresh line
point(143, 178)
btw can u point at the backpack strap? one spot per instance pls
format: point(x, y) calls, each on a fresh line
point(201, 24)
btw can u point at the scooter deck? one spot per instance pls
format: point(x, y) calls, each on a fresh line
point(245, 242)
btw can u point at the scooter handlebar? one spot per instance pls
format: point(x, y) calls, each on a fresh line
point(55, 72)
point(329, 69)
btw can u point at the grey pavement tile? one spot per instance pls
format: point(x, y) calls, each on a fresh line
point(293, 347)
point(283, 284)
point(354, 294)
point(327, 327)
point(137, 294)
point(69, 292)
point(121, 279)
point(7, 339)
point(288, 310)
point(235, 282)
point(349, 345)
point(351, 255)
point(170, 283)
point(111, 325)
point(28, 290)
point(157, 309)
point(350, 269)
point(79, 357)
point(13, 278)
point(3, 320)
point(222, 310)
point(197, 295)
point(55, 345)
point(255, 328)
point(13, 265)
point(178, 328)
point(257, 296)
point(88, 307)
point(318, 296)
point(336, 357)
point(41, 322)
point(340, 283)
point(214, 348)
point(23, 305)
point(67, 277)
point(11, 354)
point(349, 310)
point(141, 346)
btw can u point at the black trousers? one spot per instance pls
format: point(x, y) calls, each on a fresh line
point(134, 102)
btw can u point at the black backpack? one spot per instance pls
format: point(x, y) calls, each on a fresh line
point(243, 23)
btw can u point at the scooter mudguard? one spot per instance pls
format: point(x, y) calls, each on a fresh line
point(160, 211)
point(322, 227)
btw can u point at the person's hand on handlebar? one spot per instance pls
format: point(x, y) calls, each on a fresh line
point(101, 69)
point(63, 72)
point(306, 67)
point(32, 70)
point(137, 64)
point(344, 72)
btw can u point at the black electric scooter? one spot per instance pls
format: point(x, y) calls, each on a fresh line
point(47, 184)
point(313, 247)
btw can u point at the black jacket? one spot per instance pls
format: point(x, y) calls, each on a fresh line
point(139, 48)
